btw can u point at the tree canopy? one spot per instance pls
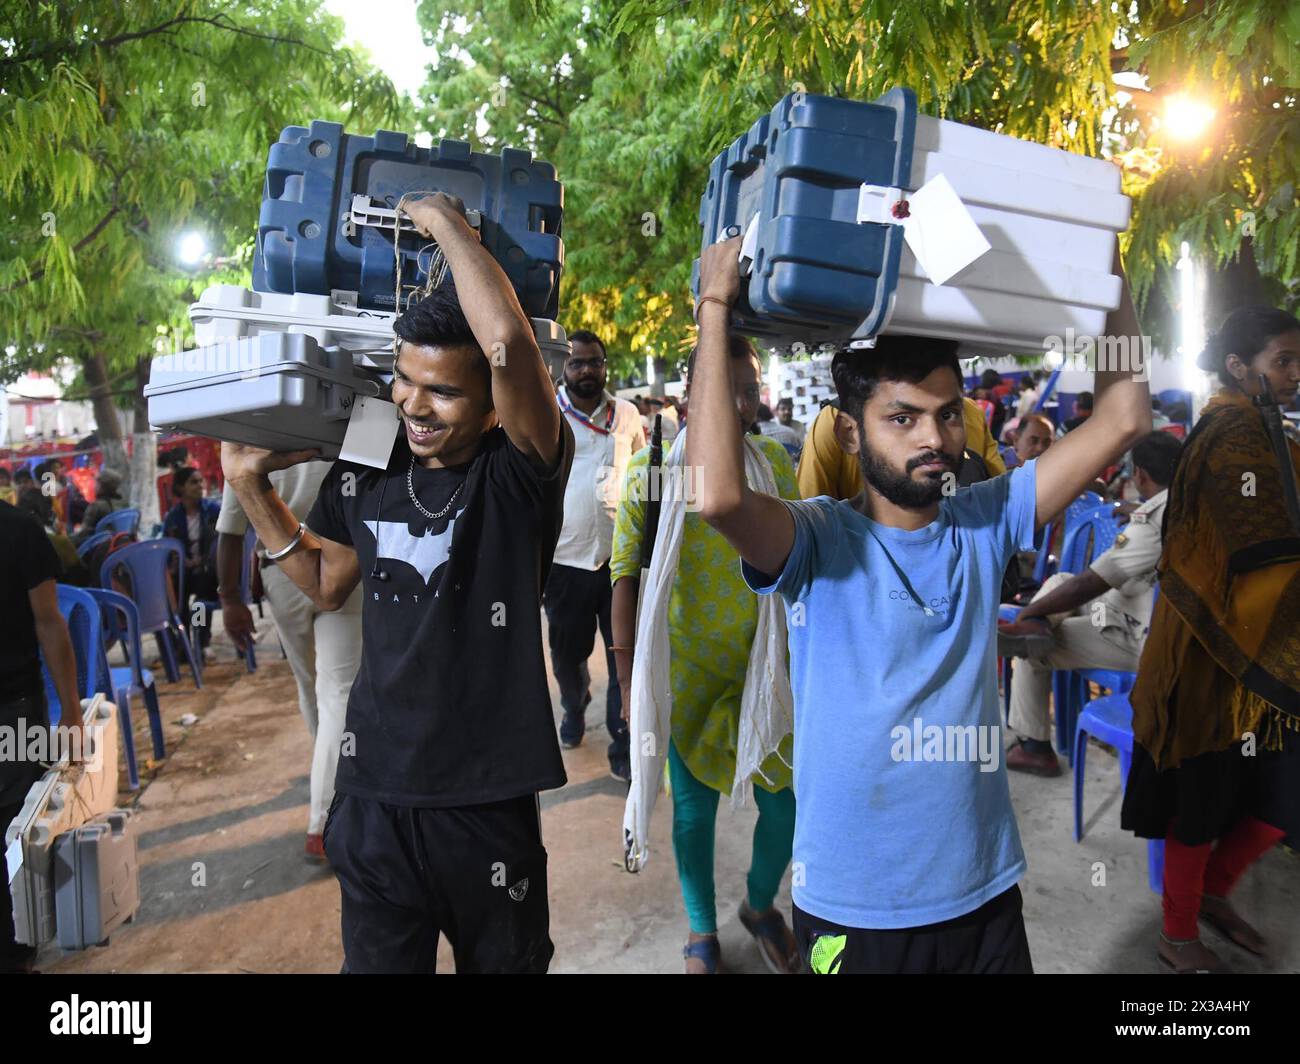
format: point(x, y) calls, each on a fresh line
point(631, 100)
point(127, 124)
point(130, 123)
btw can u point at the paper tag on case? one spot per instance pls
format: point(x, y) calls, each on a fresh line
point(372, 432)
point(940, 230)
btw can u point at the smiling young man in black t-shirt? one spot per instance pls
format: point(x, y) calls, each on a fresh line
point(435, 823)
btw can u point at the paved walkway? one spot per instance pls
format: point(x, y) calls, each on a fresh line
point(226, 889)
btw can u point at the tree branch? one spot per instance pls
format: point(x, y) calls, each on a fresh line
point(220, 22)
point(99, 228)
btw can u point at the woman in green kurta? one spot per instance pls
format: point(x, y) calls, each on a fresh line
point(712, 617)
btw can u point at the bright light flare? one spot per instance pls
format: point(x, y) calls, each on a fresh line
point(1187, 118)
point(192, 248)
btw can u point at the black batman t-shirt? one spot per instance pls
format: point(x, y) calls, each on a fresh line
point(450, 705)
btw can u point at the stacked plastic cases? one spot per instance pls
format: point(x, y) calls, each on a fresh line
point(60, 801)
point(821, 276)
point(227, 312)
point(312, 237)
point(96, 880)
point(277, 390)
point(281, 366)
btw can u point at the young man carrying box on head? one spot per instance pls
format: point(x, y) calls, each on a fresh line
point(906, 853)
point(449, 737)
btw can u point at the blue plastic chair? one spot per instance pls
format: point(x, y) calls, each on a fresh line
point(1093, 533)
point(127, 520)
point(1044, 562)
point(133, 678)
point(1088, 533)
point(81, 614)
point(91, 542)
point(1110, 719)
point(146, 569)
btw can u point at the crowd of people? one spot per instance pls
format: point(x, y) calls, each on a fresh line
point(789, 614)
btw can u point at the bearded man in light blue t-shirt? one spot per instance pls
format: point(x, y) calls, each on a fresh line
point(906, 853)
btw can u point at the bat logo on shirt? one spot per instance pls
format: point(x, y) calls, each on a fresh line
point(424, 554)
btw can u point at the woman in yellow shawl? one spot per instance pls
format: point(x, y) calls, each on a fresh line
point(1216, 706)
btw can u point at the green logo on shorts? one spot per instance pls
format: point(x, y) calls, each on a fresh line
point(827, 952)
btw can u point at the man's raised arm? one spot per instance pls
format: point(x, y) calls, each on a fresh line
point(521, 388)
point(325, 571)
point(1121, 413)
point(758, 526)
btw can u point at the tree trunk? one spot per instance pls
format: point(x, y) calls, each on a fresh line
point(108, 424)
point(144, 454)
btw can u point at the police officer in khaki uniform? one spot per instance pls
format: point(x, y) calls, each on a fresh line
point(1096, 619)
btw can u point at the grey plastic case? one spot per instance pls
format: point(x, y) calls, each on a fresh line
point(277, 390)
point(96, 879)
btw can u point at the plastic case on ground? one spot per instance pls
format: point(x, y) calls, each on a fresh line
point(278, 390)
point(313, 236)
point(61, 799)
point(96, 879)
point(29, 842)
point(819, 275)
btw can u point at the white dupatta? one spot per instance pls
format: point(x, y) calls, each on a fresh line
point(767, 704)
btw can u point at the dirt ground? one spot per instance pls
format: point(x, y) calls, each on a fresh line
point(225, 886)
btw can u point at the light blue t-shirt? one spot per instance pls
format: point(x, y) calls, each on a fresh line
point(903, 815)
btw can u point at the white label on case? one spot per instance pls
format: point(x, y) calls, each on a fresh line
point(372, 432)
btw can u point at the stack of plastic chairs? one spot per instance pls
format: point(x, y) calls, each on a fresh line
point(133, 678)
point(144, 568)
point(83, 609)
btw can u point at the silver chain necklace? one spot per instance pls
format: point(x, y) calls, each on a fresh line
point(410, 490)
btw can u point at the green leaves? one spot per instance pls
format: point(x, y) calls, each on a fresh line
point(127, 124)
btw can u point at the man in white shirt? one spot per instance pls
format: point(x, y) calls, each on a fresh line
point(324, 649)
point(783, 434)
point(785, 415)
point(1094, 619)
point(607, 432)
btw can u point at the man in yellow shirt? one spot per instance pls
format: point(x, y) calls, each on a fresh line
point(824, 468)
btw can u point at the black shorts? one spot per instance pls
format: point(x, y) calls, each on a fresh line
point(990, 940)
point(477, 874)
